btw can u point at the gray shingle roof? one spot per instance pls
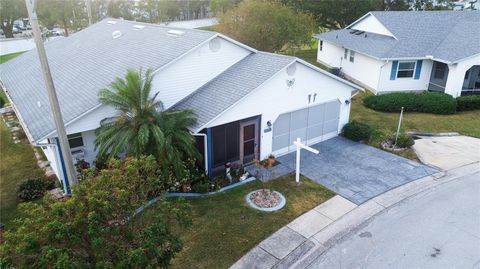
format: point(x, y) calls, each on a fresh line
point(86, 62)
point(230, 86)
point(447, 35)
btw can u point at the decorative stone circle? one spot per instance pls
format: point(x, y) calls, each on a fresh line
point(388, 145)
point(266, 200)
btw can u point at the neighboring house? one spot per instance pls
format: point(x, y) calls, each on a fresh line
point(466, 5)
point(391, 51)
point(249, 104)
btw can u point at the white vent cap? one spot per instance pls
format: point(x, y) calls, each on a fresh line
point(138, 27)
point(111, 22)
point(116, 34)
point(175, 32)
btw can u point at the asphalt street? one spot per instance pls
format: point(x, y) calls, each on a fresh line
point(439, 228)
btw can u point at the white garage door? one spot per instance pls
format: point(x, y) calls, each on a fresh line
point(312, 124)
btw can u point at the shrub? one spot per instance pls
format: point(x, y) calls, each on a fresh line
point(201, 187)
point(32, 189)
point(403, 140)
point(51, 182)
point(428, 102)
point(357, 131)
point(465, 103)
point(2, 102)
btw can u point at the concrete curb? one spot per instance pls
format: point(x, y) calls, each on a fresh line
point(433, 134)
point(306, 238)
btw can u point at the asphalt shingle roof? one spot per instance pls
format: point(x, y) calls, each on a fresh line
point(447, 35)
point(86, 62)
point(230, 86)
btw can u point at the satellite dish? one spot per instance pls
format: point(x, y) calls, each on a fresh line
point(291, 69)
point(116, 34)
point(214, 45)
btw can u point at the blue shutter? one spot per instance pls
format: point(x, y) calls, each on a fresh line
point(393, 74)
point(418, 70)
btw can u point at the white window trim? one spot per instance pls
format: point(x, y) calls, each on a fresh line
point(414, 69)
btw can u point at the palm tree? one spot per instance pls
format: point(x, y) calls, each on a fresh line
point(141, 126)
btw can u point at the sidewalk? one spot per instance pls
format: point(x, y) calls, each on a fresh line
point(300, 242)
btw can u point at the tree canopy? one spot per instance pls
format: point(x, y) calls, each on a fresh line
point(336, 14)
point(10, 11)
point(96, 227)
point(268, 26)
point(142, 127)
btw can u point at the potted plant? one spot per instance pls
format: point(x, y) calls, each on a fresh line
point(271, 160)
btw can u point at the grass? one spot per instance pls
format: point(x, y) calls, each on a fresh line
point(225, 228)
point(17, 163)
point(385, 124)
point(5, 58)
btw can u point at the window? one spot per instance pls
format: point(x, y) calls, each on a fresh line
point(352, 56)
point(467, 74)
point(321, 45)
point(345, 54)
point(75, 140)
point(406, 69)
point(440, 70)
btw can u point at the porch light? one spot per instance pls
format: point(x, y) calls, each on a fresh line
point(347, 102)
point(269, 123)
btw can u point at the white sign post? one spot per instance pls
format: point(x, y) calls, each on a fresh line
point(300, 146)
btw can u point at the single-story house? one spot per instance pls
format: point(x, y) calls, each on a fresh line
point(249, 103)
point(390, 51)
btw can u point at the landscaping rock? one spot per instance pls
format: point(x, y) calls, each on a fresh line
point(43, 164)
point(49, 172)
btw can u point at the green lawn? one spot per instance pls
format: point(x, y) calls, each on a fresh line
point(8, 57)
point(17, 163)
point(225, 228)
point(466, 123)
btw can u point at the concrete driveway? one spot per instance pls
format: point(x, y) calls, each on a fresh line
point(447, 152)
point(356, 171)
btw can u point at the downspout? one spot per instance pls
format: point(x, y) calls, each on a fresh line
point(380, 75)
point(205, 150)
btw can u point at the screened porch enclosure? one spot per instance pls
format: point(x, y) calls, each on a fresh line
point(234, 142)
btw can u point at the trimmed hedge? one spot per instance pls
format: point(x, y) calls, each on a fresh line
point(466, 103)
point(357, 131)
point(428, 102)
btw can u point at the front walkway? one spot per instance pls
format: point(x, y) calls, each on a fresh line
point(356, 171)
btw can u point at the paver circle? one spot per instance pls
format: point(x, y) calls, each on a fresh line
point(282, 203)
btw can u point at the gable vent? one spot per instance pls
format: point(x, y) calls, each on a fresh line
point(138, 27)
point(175, 33)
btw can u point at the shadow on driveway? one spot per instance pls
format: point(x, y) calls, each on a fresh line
point(356, 171)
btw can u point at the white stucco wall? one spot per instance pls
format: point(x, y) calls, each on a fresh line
point(456, 74)
point(331, 55)
point(364, 70)
point(190, 72)
point(275, 97)
point(372, 25)
point(404, 84)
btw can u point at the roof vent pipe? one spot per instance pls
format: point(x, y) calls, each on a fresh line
point(116, 34)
